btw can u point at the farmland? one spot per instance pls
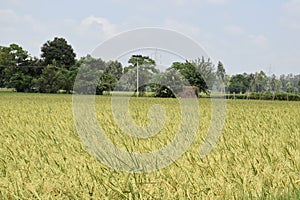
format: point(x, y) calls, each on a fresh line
point(42, 157)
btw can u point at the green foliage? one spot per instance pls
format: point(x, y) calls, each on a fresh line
point(20, 71)
point(14, 55)
point(50, 81)
point(90, 70)
point(260, 82)
point(112, 73)
point(238, 84)
point(281, 96)
point(221, 73)
point(191, 74)
point(197, 75)
point(221, 78)
point(207, 71)
point(275, 84)
point(21, 82)
point(58, 51)
point(13, 67)
point(144, 62)
point(97, 76)
point(146, 72)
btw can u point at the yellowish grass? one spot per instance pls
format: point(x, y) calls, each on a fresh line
point(42, 157)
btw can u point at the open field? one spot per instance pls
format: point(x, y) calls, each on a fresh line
point(42, 157)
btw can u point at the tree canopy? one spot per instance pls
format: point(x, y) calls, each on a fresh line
point(57, 69)
point(58, 51)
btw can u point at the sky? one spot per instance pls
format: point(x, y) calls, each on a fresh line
point(247, 36)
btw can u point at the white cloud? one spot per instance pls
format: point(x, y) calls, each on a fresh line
point(20, 29)
point(31, 33)
point(108, 28)
point(9, 19)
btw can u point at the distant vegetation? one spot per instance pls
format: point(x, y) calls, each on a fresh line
point(57, 68)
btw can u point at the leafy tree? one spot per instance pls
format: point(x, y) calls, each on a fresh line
point(168, 84)
point(207, 71)
point(146, 71)
point(107, 83)
point(111, 74)
point(293, 83)
point(192, 74)
point(21, 82)
point(221, 76)
point(60, 51)
point(115, 68)
point(97, 76)
point(14, 55)
point(289, 87)
point(65, 78)
point(283, 81)
point(2, 77)
point(197, 75)
point(275, 83)
point(14, 62)
point(221, 73)
point(50, 80)
point(91, 69)
point(239, 83)
point(260, 82)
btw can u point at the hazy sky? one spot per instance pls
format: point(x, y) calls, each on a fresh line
point(246, 36)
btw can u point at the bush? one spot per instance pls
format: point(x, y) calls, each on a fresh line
point(281, 96)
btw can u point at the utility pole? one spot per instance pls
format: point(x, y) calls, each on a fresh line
point(137, 73)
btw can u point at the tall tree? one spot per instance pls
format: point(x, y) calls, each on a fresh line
point(97, 76)
point(50, 80)
point(91, 69)
point(221, 76)
point(146, 71)
point(275, 84)
point(58, 51)
point(199, 73)
point(168, 84)
point(14, 67)
point(239, 83)
point(111, 74)
point(261, 82)
point(221, 73)
point(207, 71)
point(194, 76)
point(299, 85)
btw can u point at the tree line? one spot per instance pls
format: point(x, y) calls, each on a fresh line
point(57, 69)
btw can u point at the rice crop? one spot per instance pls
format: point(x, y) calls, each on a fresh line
point(42, 156)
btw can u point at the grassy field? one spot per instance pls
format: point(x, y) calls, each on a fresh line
point(42, 157)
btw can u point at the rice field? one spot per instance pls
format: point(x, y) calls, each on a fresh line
point(42, 156)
